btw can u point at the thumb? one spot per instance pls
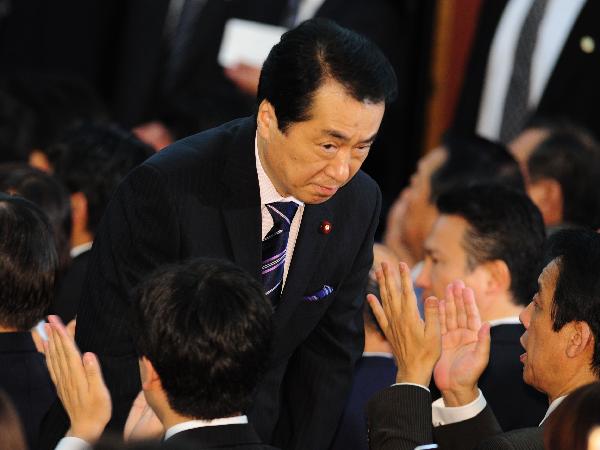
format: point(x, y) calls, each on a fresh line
point(482, 348)
point(93, 372)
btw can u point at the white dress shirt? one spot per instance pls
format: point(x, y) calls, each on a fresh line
point(555, 27)
point(268, 194)
point(79, 249)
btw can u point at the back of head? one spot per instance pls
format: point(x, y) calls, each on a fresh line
point(92, 159)
point(473, 160)
point(205, 326)
point(28, 263)
point(11, 429)
point(569, 426)
point(503, 224)
point(316, 51)
point(571, 156)
point(51, 197)
point(577, 292)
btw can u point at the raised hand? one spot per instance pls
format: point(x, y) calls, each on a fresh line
point(465, 346)
point(79, 383)
point(142, 423)
point(416, 343)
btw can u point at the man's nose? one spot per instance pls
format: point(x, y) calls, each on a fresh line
point(423, 280)
point(339, 167)
point(525, 316)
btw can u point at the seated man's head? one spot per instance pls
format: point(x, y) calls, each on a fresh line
point(459, 161)
point(321, 98)
point(28, 264)
point(561, 164)
point(562, 341)
point(202, 330)
point(490, 237)
point(91, 160)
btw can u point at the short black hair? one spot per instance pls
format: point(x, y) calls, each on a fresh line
point(28, 263)
point(503, 224)
point(49, 195)
point(205, 325)
point(93, 158)
point(570, 155)
point(471, 160)
point(314, 52)
point(577, 292)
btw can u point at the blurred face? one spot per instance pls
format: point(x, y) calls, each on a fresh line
point(314, 158)
point(446, 261)
point(420, 212)
point(543, 359)
point(524, 144)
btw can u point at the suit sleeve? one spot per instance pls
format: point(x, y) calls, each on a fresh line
point(469, 433)
point(139, 232)
point(319, 374)
point(399, 418)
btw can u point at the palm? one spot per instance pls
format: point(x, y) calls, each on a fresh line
point(458, 361)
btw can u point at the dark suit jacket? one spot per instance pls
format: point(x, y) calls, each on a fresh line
point(200, 197)
point(400, 418)
point(24, 377)
point(372, 374)
point(223, 437)
point(66, 301)
point(572, 90)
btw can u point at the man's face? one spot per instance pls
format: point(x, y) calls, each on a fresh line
point(314, 158)
point(420, 212)
point(543, 346)
point(523, 146)
point(446, 261)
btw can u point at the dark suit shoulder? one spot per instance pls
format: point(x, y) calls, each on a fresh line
point(522, 439)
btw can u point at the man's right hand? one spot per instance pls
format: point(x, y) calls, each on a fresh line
point(465, 346)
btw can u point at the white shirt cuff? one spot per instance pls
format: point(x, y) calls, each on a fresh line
point(412, 384)
point(445, 415)
point(72, 443)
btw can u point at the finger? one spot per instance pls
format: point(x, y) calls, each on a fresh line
point(461, 314)
point(378, 312)
point(473, 316)
point(49, 355)
point(392, 285)
point(409, 298)
point(450, 309)
point(93, 372)
point(385, 304)
point(433, 334)
point(442, 308)
point(482, 348)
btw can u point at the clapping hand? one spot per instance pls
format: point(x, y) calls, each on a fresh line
point(79, 383)
point(465, 346)
point(416, 343)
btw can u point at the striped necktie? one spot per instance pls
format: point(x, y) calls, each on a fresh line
point(274, 248)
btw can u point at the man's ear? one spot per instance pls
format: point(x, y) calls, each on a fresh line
point(499, 279)
point(547, 195)
point(79, 211)
point(149, 376)
point(580, 338)
point(266, 120)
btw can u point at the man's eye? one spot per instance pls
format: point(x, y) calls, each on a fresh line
point(329, 147)
point(363, 148)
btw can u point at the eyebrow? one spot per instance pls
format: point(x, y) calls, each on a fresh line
point(339, 135)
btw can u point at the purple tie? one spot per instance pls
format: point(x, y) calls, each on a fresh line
point(274, 248)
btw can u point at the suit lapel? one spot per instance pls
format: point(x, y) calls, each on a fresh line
point(307, 253)
point(241, 203)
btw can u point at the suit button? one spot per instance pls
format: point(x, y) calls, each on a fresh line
point(587, 44)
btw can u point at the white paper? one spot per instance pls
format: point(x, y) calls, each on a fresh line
point(247, 42)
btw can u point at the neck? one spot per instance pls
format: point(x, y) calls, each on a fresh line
point(80, 237)
point(374, 342)
point(579, 378)
point(501, 309)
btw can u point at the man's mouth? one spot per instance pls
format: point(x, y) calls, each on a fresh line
point(523, 357)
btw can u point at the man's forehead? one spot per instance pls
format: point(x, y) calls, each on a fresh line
point(549, 276)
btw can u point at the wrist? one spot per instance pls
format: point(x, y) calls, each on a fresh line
point(422, 378)
point(89, 434)
point(460, 397)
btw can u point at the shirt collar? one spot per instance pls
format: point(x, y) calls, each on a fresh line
point(79, 249)
point(191, 424)
point(268, 193)
point(552, 407)
point(505, 321)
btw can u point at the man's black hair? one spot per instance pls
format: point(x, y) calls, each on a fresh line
point(503, 224)
point(571, 156)
point(28, 263)
point(316, 51)
point(205, 326)
point(577, 292)
point(471, 160)
point(93, 158)
point(49, 195)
